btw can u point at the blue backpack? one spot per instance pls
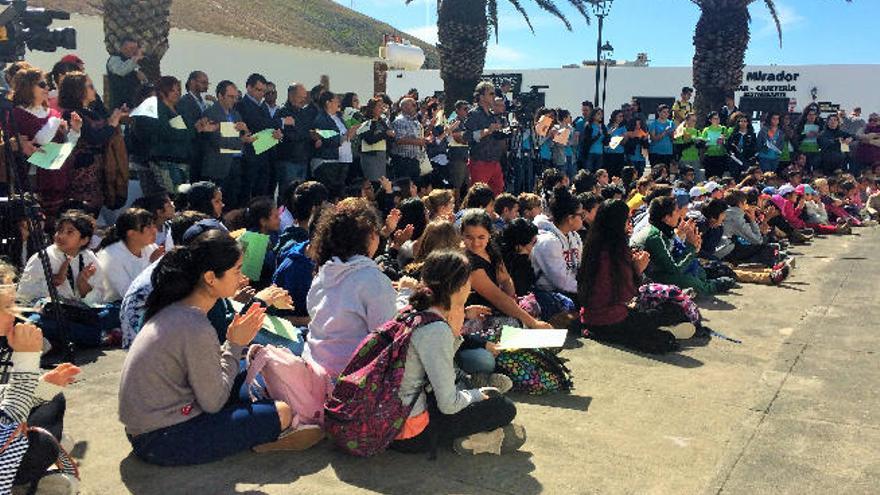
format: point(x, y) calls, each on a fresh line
point(295, 273)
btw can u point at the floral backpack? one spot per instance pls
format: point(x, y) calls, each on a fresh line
point(653, 296)
point(364, 413)
point(533, 371)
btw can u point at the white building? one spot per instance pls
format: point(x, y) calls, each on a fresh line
point(224, 57)
point(846, 85)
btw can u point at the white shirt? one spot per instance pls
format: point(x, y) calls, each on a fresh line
point(345, 155)
point(32, 285)
point(120, 267)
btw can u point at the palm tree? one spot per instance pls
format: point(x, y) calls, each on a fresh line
point(145, 21)
point(463, 34)
point(720, 42)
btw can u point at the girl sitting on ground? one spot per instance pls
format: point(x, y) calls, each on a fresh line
point(181, 386)
point(75, 267)
point(262, 217)
point(472, 421)
point(608, 280)
point(491, 283)
point(350, 296)
point(126, 251)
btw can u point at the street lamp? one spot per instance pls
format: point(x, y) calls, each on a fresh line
point(601, 8)
point(607, 52)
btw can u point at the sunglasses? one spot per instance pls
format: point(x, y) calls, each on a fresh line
point(43, 84)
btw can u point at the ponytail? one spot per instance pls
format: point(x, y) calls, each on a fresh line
point(443, 274)
point(179, 272)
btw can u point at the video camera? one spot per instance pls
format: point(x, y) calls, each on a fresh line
point(28, 27)
point(525, 104)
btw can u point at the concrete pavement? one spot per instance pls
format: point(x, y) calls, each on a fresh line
point(793, 409)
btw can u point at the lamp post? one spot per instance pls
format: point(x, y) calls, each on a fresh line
point(601, 8)
point(607, 52)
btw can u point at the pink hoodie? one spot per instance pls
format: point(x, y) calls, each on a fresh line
point(791, 214)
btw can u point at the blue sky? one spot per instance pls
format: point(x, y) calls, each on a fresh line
point(814, 32)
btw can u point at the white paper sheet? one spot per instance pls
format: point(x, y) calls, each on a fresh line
point(525, 338)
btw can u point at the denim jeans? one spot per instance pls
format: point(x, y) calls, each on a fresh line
point(80, 334)
point(768, 164)
point(570, 167)
point(239, 426)
point(593, 162)
point(476, 361)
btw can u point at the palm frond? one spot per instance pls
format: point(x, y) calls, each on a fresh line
point(550, 6)
point(775, 15)
point(492, 16)
point(581, 6)
point(519, 8)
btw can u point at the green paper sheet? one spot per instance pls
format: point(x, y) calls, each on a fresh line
point(265, 141)
point(279, 326)
point(51, 156)
point(254, 246)
point(326, 134)
point(272, 324)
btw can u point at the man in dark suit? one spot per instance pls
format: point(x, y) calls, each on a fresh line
point(256, 169)
point(191, 106)
point(292, 158)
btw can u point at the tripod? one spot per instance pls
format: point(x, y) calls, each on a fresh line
point(20, 188)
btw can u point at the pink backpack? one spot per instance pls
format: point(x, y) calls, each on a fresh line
point(302, 384)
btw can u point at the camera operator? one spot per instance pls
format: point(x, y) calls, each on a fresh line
point(486, 149)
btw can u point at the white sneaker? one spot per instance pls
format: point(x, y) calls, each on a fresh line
point(498, 441)
point(683, 331)
point(496, 380)
point(58, 484)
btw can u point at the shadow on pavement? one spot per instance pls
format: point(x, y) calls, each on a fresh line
point(222, 476)
point(394, 473)
point(557, 400)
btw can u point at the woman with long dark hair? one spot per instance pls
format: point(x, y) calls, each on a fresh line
point(76, 95)
point(608, 280)
point(807, 137)
point(613, 159)
point(179, 395)
point(771, 140)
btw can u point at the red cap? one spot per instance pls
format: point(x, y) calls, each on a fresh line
point(72, 59)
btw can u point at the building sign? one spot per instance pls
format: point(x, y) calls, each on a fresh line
point(762, 84)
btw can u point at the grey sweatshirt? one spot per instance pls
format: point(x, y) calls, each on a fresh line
point(175, 371)
point(430, 359)
point(737, 225)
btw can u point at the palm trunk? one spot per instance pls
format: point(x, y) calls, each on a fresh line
point(147, 22)
point(462, 37)
point(720, 43)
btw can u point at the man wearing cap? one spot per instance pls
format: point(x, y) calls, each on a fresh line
point(714, 190)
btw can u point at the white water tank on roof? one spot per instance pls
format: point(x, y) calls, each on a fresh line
point(402, 55)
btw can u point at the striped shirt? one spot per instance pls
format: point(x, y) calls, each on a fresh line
point(16, 400)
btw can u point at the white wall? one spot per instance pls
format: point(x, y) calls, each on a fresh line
point(223, 57)
point(847, 85)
